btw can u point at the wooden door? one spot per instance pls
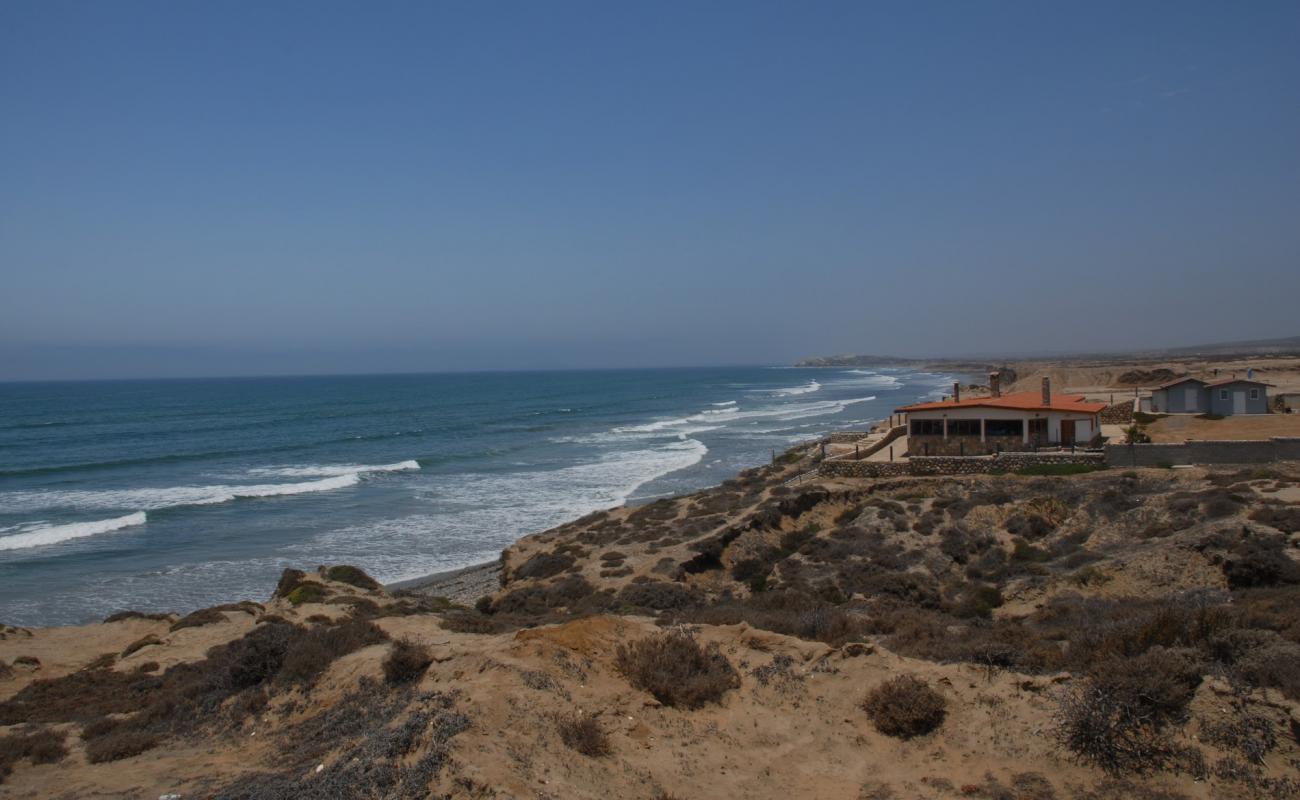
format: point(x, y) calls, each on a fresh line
point(1067, 431)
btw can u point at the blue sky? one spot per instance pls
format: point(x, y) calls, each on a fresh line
point(245, 188)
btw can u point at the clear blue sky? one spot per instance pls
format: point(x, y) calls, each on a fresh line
point(283, 187)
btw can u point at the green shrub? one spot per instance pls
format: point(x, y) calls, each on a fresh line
point(307, 592)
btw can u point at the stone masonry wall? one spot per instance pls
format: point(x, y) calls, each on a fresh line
point(950, 465)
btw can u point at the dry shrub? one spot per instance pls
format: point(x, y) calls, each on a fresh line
point(677, 670)
point(1284, 518)
point(1102, 728)
point(905, 706)
point(6, 671)
point(785, 611)
point(583, 734)
point(204, 616)
point(658, 595)
point(353, 576)
point(141, 643)
point(1159, 683)
point(119, 743)
point(315, 649)
point(80, 695)
point(407, 661)
point(544, 565)
point(41, 747)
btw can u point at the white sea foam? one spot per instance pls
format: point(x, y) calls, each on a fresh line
point(725, 403)
point(869, 378)
point(328, 470)
point(475, 515)
point(53, 534)
point(807, 388)
point(153, 499)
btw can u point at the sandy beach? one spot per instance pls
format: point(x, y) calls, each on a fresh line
point(464, 585)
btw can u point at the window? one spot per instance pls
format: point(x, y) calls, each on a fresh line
point(1223, 394)
point(1004, 427)
point(1254, 394)
point(927, 427)
point(963, 427)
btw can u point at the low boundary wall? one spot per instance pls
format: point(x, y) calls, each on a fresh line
point(951, 465)
point(1236, 451)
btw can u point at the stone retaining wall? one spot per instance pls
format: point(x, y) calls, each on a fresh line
point(1239, 451)
point(1118, 414)
point(846, 437)
point(951, 465)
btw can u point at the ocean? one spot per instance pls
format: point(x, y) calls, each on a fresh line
point(179, 494)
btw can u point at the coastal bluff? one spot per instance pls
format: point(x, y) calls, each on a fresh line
point(1113, 634)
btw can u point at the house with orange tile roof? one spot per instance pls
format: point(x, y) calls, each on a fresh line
point(1016, 421)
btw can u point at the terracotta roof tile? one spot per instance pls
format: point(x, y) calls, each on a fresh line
point(1019, 401)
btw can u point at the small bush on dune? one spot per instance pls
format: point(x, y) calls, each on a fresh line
point(544, 565)
point(353, 576)
point(307, 592)
point(119, 744)
point(140, 644)
point(289, 580)
point(204, 616)
point(658, 595)
point(406, 662)
point(677, 670)
point(584, 734)
point(905, 706)
point(41, 747)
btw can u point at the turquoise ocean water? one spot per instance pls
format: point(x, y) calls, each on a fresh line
point(178, 494)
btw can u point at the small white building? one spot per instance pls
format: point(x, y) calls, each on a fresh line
point(1018, 421)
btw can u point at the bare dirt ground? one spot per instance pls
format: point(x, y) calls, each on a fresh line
point(1099, 379)
point(1181, 427)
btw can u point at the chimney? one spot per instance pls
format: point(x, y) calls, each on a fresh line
point(995, 384)
point(956, 392)
point(1047, 391)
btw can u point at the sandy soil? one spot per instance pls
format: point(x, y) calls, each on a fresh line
point(1101, 379)
point(1181, 427)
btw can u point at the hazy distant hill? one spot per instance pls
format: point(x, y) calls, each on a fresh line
point(1254, 347)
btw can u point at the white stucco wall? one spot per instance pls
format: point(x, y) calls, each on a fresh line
point(1084, 426)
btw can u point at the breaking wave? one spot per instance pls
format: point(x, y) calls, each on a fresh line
point(53, 534)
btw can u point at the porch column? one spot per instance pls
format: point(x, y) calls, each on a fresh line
point(1024, 430)
point(982, 437)
point(945, 429)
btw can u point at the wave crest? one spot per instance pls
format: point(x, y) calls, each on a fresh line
point(53, 534)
